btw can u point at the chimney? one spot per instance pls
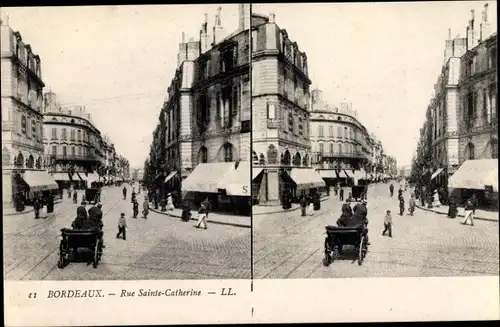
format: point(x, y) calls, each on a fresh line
point(244, 16)
point(182, 54)
point(219, 32)
point(204, 37)
point(485, 29)
point(471, 40)
point(448, 50)
point(272, 18)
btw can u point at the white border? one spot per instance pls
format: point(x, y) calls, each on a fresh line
point(302, 300)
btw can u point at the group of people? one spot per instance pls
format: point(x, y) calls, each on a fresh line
point(411, 201)
point(309, 203)
point(43, 202)
point(135, 203)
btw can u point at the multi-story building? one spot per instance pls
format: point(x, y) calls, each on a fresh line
point(22, 119)
point(281, 110)
point(73, 145)
point(340, 149)
point(206, 116)
point(109, 159)
point(477, 99)
point(122, 168)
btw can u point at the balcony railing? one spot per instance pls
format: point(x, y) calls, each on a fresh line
point(71, 157)
point(472, 130)
point(329, 155)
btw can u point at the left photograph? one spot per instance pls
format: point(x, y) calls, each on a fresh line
point(126, 136)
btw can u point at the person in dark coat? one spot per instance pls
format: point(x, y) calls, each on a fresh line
point(75, 197)
point(391, 190)
point(341, 194)
point(360, 218)
point(133, 198)
point(452, 207)
point(400, 193)
point(37, 207)
point(50, 203)
point(401, 206)
point(135, 209)
point(317, 201)
point(124, 193)
point(186, 211)
point(346, 215)
point(303, 205)
point(81, 220)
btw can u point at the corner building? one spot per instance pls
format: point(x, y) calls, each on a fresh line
point(280, 115)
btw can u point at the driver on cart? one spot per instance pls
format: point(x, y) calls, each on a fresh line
point(359, 217)
point(346, 214)
point(95, 217)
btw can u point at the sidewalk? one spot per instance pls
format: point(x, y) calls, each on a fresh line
point(269, 210)
point(214, 218)
point(11, 211)
point(480, 214)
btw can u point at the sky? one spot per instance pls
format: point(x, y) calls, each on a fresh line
point(384, 58)
point(118, 61)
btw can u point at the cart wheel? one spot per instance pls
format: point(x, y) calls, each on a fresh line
point(60, 262)
point(96, 255)
point(361, 250)
point(326, 260)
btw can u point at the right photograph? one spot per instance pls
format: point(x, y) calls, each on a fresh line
point(374, 140)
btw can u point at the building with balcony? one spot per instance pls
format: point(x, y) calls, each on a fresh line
point(280, 117)
point(203, 135)
point(74, 152)
point(340, 143)
point(22, 119)
point(122, 168)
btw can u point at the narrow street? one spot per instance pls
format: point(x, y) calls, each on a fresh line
point(287, 245)
point(160, 247)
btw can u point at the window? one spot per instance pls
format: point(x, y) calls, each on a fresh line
point(64, 151)
point(321, 148)
point(72, 133)
point(301, 126)
point(470, 105)
point(470, 151)
point(236, 100)
point(339, 148)
point(331, 148)
point(271, 111)
point(203, 155)
point(23, 124)
point(33, 129)
point(320, 131)
point(345, 132)
point(228, 152)
point(73, 151)
point(54, 150)
point(228, 60)
point(290, 122)
point(470, 67)
point(79, 150)
point(492, 60)
point(79, 135)
point(485, 103)
point(330, 129)
point(64, 136)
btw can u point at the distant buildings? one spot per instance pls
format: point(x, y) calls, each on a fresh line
point(22, 119)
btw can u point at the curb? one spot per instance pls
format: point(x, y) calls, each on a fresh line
point(284, 210)
point(208, 220)
point(15, 213)
point(458, 215)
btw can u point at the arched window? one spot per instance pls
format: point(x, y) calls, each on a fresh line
point(305, 160)
point(19, 161)
point(262, 159)
point(39, 163)
point(321, 148)
point(286, 158)
point(470, 151)
point(297, 159)
point(228, 152)
point(255, 158)
point(331, 148)
point(339, 148)
point(30, 163)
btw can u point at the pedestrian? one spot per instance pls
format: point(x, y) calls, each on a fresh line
point(186, 211)
point(36, 207)
point(468, 212)
point(50, 205)
point(341, 194)
point(124, 193)
point(145, 208)
point(388, 223)
point(75, 197)
point(411, 204)
point(401, 206)
point(400, 193)
point(336, 189)
point(135, 209)
point(303, 205)
point(452, 207)
point(474, 204)
point(122, 227)
point(391, 190)
point(170, 204)
point(202, 216)
point(69, 193)
point(208, 207)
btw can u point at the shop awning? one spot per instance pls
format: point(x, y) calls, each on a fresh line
point(342, 174)
point(206, 177)
point(327, 173)
point(359, 174)
point(437, 172)
point(39, 180)
point(61, 176)
point(476, 174)
point(237, 181)
point(256, 172)
point(170, 176)
point(306, 178)
point(349, 173)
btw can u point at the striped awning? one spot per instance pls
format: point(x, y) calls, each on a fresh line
point(206, 177)
point(61, 176)
point(306, 178)
point(237, 181)
point(39, 180)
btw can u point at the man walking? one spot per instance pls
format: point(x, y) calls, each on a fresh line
point(391, 190)
point(341, 194)
point(124, 193)
point(36, 207)
point(468, 212)
point(303, 205)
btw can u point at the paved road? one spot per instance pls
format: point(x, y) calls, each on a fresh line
point(287, 245)
point(160, 247)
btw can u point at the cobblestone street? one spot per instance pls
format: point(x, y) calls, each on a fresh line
point(287, 245)
point(160, 247)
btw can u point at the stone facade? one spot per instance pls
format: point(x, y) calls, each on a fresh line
point(22, 120)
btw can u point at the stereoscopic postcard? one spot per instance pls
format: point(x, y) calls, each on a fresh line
point(249, 163)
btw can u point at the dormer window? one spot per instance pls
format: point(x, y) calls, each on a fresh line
point(228, 59)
